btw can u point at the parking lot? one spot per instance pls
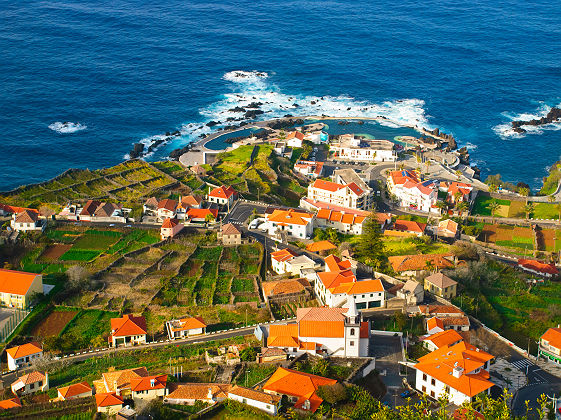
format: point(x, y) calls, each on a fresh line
point(5, 314)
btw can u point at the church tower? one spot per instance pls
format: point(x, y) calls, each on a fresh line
point(352, 329)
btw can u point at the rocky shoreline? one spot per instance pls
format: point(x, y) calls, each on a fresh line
point(552, 117)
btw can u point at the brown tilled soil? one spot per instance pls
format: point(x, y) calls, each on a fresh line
point(53, 323)
point(54, 252)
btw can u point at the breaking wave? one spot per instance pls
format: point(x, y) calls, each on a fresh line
point(254, 91)
point(506, 131)
point(67, 127)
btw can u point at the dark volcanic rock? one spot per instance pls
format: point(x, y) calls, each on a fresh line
point(237, 109)
point(554, 115)
point(253, 113)
point(212, 123)
point(255, 105)
point(136, 151)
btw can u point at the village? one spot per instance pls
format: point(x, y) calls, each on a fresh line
point(293, 273)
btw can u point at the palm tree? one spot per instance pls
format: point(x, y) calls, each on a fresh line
point(458, 174)
point(401, 166)
point(442, 206)
point(528, 208)
point(457, 196)
point(493, 206)
point(493, 188)
point(525, 192)
point(429, 265)
point(461, 207)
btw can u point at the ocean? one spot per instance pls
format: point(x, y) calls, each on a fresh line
point(127, 72)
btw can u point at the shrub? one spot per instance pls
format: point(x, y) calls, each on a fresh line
point(333, 394)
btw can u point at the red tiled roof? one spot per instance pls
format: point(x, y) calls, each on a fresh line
point(291, 216)
point(332, 279)
point(149, 382)
point(169, 223)
point(230, 229)
point(444, 338)
point(190, 324)
point(409, 226)
point(252, 394)
point(90, 208)
point(10, 403)
point(27, 216)
point(553, 337)
point(295, 134)
point(538, 266)
point(167, 204)
point(30, 378)
point(334, 263)
point(283, 255)
point(201, 213)
point(128, 325)
point(320, 246)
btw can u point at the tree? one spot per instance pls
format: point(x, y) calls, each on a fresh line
point(551, 199)
point(78, 277)
point(493, 206)
point(333, 394)
point(429, 265)
point(461, 207)
point(400, 320)
point(370, 247)
point(528, 208)
point(558, 207)
point(458, 174)
point(493, 187)
point(442, 206)
point(248, 354)
point(427, 164)
point(209, 218)
point(524, 192)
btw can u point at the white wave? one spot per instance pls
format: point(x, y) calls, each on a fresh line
point(253, 86)
point(67, 127)
point(470, 146)
point(506, 131)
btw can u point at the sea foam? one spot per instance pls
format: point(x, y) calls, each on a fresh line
point(506, 131)
point(251, 87)
point(67, 127)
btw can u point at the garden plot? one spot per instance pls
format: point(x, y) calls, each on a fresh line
point(508, 236)
point(53, 324)
point(54, 252)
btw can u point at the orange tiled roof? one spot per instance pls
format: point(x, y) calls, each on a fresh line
point(191, 200)
point(75, 389)
point(281, 287)
point(252, 394)
point(197, 391)
point(108, 399)
point(222, 192)
point(444, 338)
point(332, 279)
point(434, 322)
point(283, 336)
point(190, 324)
point(553, 337)
point(418, 262)
point(295, 134)
point(24, 350)
point(15, 282)
point(321, 184)
point(321, 322)
point(409, 226)
point(145, 383)
point(169, 223)
point(297, 384)
point(538, 266)
point(10, 403)
point(439, 310)
point(449, 225)
point(30, 378)
point(283, 255)
point(167, 204)
point(121, 378)
point(359, 287)
point(128, 325)
point(291, 216)
point(201, 213)
point(400, 177)
point(455, 320)
point(440, 363)
point(335, 263)
point(320, 246)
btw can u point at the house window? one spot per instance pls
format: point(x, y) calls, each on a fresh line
point(31, 386)
point(352, 343)
point(424, 389)
point(424, 377)
point(432, 382)
point(352, 331)
point(432, 394)
point(268, 407)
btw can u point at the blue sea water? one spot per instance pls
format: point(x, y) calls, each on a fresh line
point(128, 71)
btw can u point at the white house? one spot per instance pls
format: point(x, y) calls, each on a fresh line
point(295, 139)
point(537, 267)
point(411, 192)
point(286, 261)
point(27, 221)
point(341, 221)
point(17, 288)
point(185, 327)
point(460, 371)
point(440, 339)
point(334, 290)
point(344, 195)
point(309, 168)
point(21, 356)
point(298, 224)
point(261, 400)
point(328, 331)
point(108, 402)
point(31, 383)
point(348, 147)
point(166, 209)
point(128, 330)
point(189, 393)
point(223, 196)
point(170, 228)
point(550, 345)
point(347, 176)
point(149, 387)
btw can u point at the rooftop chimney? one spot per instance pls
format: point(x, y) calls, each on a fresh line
point(457, 371)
